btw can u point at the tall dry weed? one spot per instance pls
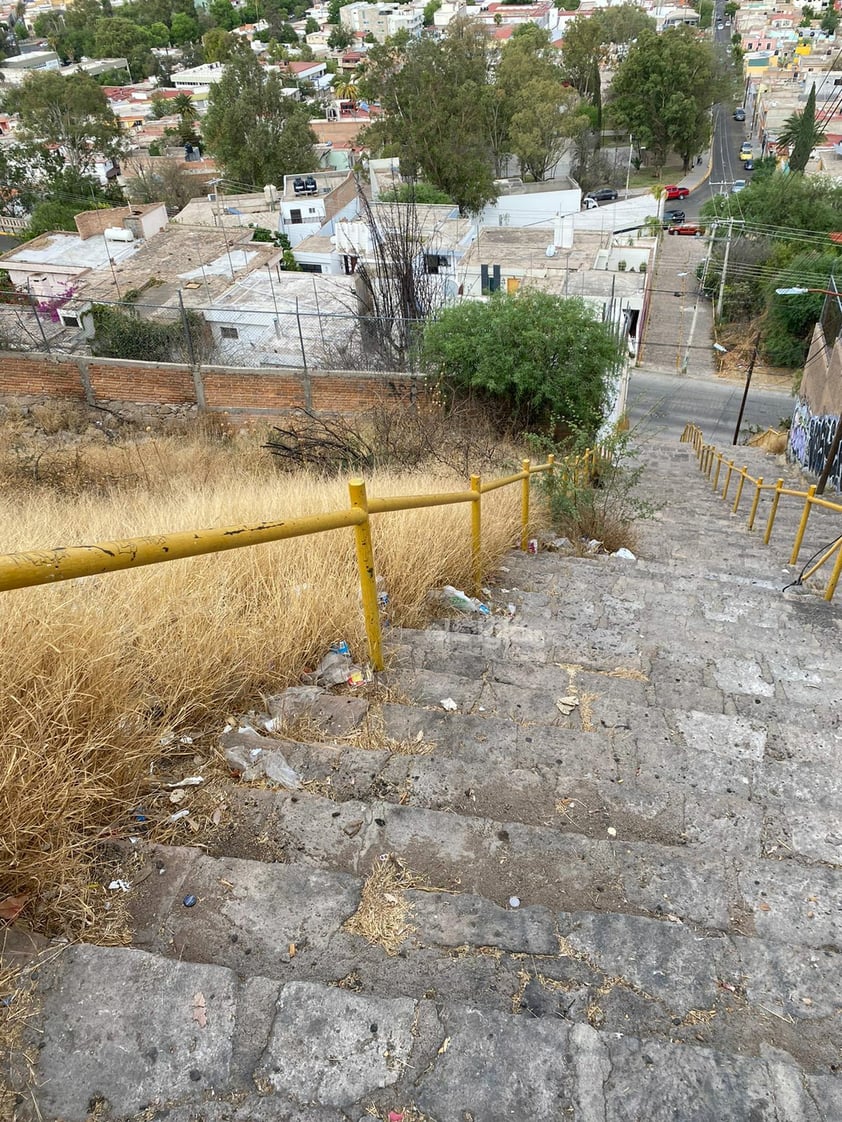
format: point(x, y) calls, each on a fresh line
point(98, 670)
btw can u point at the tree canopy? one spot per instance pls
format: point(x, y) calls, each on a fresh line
point(69, 112)
point(256, 133)
point(663, 91)
point(540, 360)
point(801, 133)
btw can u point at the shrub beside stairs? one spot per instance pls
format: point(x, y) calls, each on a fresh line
point(627, 911)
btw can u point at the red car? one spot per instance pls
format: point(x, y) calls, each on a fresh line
point(689, 229)
point(673, 192)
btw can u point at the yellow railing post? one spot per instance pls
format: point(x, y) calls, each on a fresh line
point(368, 580)
point(802, 526)
point(758, 487)
point(773, 510)
point(524, 506)
point(551, 462)
point(834, 576)
point(740, 485)
point(718, 458)
point(727, 483)
point(476, 532)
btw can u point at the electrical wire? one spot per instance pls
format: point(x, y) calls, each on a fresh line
point(799, 580)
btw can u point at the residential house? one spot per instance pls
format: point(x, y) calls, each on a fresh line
point(309, 201)
point(382, 20)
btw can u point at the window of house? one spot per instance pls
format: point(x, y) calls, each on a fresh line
point(435, 262)
point(309, 267)
point(295, 217)
point(230, 333)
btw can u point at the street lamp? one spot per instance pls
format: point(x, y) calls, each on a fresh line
point(833, 451)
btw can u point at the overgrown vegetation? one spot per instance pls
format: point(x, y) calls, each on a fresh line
point(124, 334)
point(538, 361)
point(98, 672)
point(592, 497)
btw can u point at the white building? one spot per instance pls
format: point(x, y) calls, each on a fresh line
point(198, 76)
point(382, 20)
point(16, 69)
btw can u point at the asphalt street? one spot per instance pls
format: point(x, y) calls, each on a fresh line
point(661, 404)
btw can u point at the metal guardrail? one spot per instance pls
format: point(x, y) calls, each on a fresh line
point(28, 569)
point(712, 462)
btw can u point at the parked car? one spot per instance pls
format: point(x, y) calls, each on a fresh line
point(689, 229)
point(739, 114)
point(737, 186)
point(674, 192)
point(603, 195)
point(720, 26)
point(748, 165)
point(746, 150)
point(673, 216)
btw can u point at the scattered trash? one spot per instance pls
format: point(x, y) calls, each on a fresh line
point(566, 705)
point(449, 704)
point(252, 756)
point(170, 738)
point(612, 833)
point(556, 545)
point(593, 546)
point(179, 814)
point(178, 795)
point(292, 950)
point(360, 676)
point(216, 817)
point(626, 554)
point(341, 648)
point(455, 598)
point(200, 1009)
point(119, 886)
point(510, 610)
point(382, 594)
point(190, 781)
point(514, 901)
point(532, 545)
point(335, 714)
point(277, 770)
point(189, 901)
point(139, 816)
point(334, 670)
point(395, 1116)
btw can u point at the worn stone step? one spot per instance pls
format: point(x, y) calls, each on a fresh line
point(541, 865)
point(199, 1035)
point(678, 982)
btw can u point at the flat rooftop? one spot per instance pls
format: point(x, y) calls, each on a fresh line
point(66, 249)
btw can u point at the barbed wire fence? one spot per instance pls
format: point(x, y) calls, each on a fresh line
point(243, 337)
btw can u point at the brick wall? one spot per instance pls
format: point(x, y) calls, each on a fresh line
point(116, 382)
point(92, 222)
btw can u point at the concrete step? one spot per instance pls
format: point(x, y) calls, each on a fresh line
point(200, 1039)
point(541, 864)
point(290, 922)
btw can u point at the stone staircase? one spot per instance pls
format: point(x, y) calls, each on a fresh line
point(627, 911)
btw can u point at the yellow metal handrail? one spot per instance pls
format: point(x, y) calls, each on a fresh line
point(711, 461)
point(30, 568)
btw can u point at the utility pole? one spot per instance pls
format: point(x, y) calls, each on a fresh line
point(721, 297)
point(749, 373)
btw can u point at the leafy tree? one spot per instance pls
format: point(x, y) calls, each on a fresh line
point(583, 54)
point(663, 91)
point(623, 23)
point(801, 133)
point(790, 319)
point(224, 14)
point(120, 38)
point(346, 90)
point(256, 133)
point(437, 96)
point(731, 8)
point(430, 9)
point(536, 108)
point(184, 106)
point(807, 16)
point(784, 202)
point(218, 44)
point(311, 26)
point(72, 113)
point(830, 21)
point(340, 38)
point(705, 14)
point(541, 360)
point(183, 29)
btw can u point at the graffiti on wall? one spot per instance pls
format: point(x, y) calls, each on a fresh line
point(810, 440)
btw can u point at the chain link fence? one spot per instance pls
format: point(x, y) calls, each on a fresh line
point(210, 336)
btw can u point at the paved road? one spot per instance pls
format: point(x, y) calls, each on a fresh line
point(662, 403)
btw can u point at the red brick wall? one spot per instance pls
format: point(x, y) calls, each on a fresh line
point(19, 375)
point(142, 384)
point(239, 389)
point(226, 388)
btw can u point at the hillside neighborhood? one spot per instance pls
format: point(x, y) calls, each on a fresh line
point(421, 480)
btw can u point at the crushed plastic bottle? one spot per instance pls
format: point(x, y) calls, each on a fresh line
point(456, 598)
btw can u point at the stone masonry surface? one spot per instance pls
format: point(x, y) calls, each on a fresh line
point(629, 912)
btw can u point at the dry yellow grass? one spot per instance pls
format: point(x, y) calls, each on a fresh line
point(97, 670)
